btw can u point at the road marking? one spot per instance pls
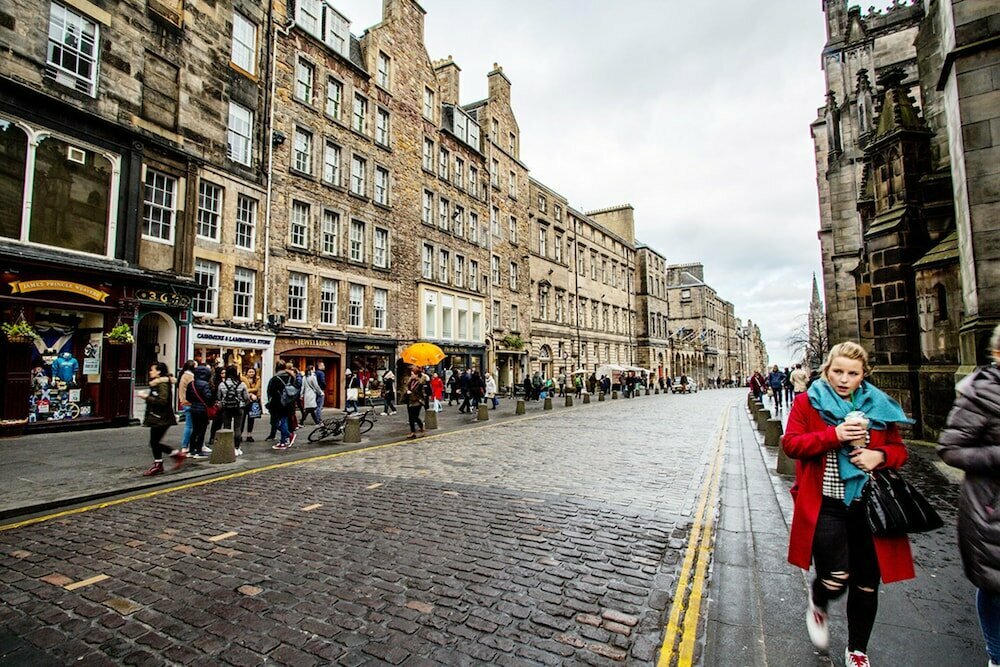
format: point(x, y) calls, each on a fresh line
point(688, 592)
point(254, 471)
point(86, 582)
point(223, 536)
point(310, 508)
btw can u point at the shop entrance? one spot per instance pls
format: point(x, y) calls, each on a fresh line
point(304, 358)
point(155, 340)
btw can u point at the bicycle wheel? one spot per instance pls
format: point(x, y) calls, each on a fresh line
point(319, 433)
point(366, 424)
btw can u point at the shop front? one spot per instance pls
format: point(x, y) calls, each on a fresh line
point(370, 358)
point(320, 353)
point(510, 369)
point(460, 357)
point(243, 348)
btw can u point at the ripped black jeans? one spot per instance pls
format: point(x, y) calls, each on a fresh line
point(845, 560)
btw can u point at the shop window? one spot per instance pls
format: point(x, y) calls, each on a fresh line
point(72, 50)
point(159, 206)
point(66, 370)
point(206, 274)
point(71, 200)
point(244, 282)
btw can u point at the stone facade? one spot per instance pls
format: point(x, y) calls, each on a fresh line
point(652, 306)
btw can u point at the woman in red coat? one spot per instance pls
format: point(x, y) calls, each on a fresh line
point(839, 431)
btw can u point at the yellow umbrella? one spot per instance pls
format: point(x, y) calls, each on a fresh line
point(422, 354)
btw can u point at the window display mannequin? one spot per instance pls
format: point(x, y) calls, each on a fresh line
point(65, 367)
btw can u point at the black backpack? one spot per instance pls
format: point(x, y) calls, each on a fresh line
point(231, 401)
point(290, 394)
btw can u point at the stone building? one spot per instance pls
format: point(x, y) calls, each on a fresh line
point(908, 192)
point(124, 138)
point(653, 333)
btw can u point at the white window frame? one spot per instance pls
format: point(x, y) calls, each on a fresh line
point(512, 229)
point(382, 185)
point(427, 162)
point(246, 219)
point(444, 265)
point(239, 134)
point(305, 80)
point(512, 278)
point(382, 126)
point(69, 31)
point(427, 261)
point(444, 162)
point(165, 188)
point(329, 307)
point(298, 224)
point(334, 98)
point(356, 306)
point(444, 211)
point(248, 278)
point(302, 150)
point(427, 214)
point(204, 268)
point(383, 70)
point(298, 294)
point(309, 16)
point(243, 53)
point(495, 270)
point(359, 175)
point(209, 210)
point(473, 227)
point(356, 241)
point(332, 155)
point(428, 110)
point(380, 308)
point(359, 114)
point(330, 233)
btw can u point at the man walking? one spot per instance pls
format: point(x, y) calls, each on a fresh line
point(776, 382)
point(800, 380)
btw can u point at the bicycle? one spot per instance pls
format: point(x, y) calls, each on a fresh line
point(331, 427)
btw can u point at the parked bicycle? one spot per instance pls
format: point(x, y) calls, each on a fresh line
point(332, 427)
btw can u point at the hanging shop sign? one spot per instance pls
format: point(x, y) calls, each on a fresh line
point(163, 298)
point(26, 286)
point(371, 348)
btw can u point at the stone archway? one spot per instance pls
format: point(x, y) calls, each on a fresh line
point(545, 361)
point(155, 340)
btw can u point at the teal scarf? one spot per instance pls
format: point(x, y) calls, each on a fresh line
point(878, 406)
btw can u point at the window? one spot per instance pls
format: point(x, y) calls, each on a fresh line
point(382, 70)
point(382, 126)
point(495, 221)
point(447, 307)
point(473, 227)
point(244, 50)
point(543, 241)
point(473, 181)
point(359, 167)
point(512, 278)
point(338, 31)
point(558, 211)
point(444, 265)
point(430, 314)
point(462, 319)
point(299, 228)
point(159, 206)
point(543, 302)
point(444, 159)
point(541, 203)
point(331, 233)
point(495, 270)
point(244, 282)
point(73, 49)
point(477, 320)
point(459, 270)
point(239, 134)
point(557, 248)
point(359, 121)
point(593, 265)
point(428, 104)
point(209, 210)
point(308, 16)
point(329, 301)
point(380, 306)
point(604, 270)
point(334, 98)
point(298, 286)
point(427, 264)
point(428, 161)
point(495, 130)
point(495, 173)
point(356, 306)
point(357, 241)
point(331, 163)
point(511, 143)
point(443, 207)
point(512, 226)
point(382, 185)
point(381, 253)
point(459, 172)
point(246, 222)
point(514, 317)
point(473, 275)
point(512, 184)
point(593, 318)
point(459, 220)
point(206, 275)
point(304, 74)
point(303, 146)
point(428, 211)
point(560, 306)
point(496, 314)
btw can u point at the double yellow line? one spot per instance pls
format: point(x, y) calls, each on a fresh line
point(679, 640)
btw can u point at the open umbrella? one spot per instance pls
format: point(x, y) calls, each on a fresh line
point(422, 354)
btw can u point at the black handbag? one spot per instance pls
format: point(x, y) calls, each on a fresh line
point(894, 507)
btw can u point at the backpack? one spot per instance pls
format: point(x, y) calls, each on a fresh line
point(231, 401)
point(289, 395)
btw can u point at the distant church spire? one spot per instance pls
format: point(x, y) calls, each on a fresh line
point(817, 329)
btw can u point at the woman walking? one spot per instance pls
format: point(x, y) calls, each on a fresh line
point(437, 392)
point(491, 390)
point(254, 410)
point(415, 399)
point(160, 417)
point(836, 446)
point(389, 393)
point(971, 441)
point(312, 396)
point(233, 399)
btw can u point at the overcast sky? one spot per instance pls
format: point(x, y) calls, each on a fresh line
point(696, 113)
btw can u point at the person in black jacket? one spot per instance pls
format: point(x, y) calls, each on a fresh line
point(160, 417)
point(281, 403)
point(200, 395)
point(971, 441)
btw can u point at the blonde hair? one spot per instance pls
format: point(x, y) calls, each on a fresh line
point(849, 350)
point(995, 343)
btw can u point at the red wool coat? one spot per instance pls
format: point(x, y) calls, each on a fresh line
point(807, 439)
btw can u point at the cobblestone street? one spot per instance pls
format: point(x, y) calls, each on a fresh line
point(550, 540)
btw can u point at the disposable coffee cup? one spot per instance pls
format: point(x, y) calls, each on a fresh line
point(857, 417)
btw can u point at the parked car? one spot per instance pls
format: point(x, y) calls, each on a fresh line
point(677, 388)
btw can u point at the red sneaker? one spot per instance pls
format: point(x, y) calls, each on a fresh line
point(155, 469)
point(179, 457)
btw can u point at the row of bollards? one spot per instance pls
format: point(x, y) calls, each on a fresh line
point(772, 430)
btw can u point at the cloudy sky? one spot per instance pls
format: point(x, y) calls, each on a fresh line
point(696, 113)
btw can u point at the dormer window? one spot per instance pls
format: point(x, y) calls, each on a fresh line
point(309, 16)
point(338, 31)
point(382, 71)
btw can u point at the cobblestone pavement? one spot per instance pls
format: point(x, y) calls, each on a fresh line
point(551, 540)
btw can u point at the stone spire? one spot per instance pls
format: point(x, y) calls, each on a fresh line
point(817, 329)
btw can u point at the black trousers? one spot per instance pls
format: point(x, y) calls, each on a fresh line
point(156, 434)
point(413, 412)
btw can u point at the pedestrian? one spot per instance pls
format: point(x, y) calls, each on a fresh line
point(159, 417)
point(971, 441)
point(452, 384)
point(293, 416)
point(437, 392)
point(799, 379)
point(491, 390)
point(415, 400)
point(200, 396)
point(389, 392)
point(186, 375)
point(757, 384)
point(578, 384)
point(536, 386)
point(528, 388)
point(321, 378)
point(233, 400)
point(312, 397)
point(465, 391)
point(353, 384)
point(282, 394)
point(789, 392)
point(776, 385)
point(218, 375)
point(254, 409)
point(477, 387)
point(829, 524)
point(562, 383)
